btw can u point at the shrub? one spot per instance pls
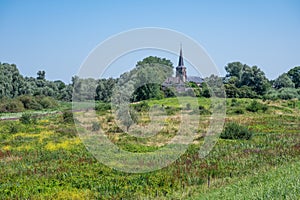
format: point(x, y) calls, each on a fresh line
point(30, 102)
point(109, 118)
point(292, 103)
point(188, 106)
point(11, 105)
point(288, 93)
point(235, 131)
point(171, 110)
point(12, 128)
point(235, 102)
point(102, 106)
point(47, 102)
point(239, 111)
point(203, 110)
point(27, 118)
point(201, 107)
point(35, 106)
point(95, 126)
point(68, 116)
point(115, 129)
point(142, 106)
point(15, 106)
point(37, 102)
point(27, 101)
point(283, 93)
point(256, 106)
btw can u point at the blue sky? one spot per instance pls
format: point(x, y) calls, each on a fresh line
point(56, 36)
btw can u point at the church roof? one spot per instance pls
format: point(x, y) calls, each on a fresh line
point(195, 79)
point(173, 80)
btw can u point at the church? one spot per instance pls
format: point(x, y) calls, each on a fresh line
point(181, 78)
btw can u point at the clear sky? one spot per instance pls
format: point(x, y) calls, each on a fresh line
point(56, 36)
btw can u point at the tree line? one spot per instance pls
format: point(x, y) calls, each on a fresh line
point(240, 81)
point(243, 81)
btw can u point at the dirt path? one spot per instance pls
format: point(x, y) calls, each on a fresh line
point(39, 115)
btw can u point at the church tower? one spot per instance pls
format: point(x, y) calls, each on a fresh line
point(181, 69)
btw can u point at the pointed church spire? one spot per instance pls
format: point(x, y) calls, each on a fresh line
point(181, 69)
point(180, 63)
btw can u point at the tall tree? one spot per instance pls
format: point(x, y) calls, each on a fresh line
point(234, 72)
point(283, 81)
point(11, 81)
point(255, 78)
point(41, 75)
point(294, 74)
point(146, 78)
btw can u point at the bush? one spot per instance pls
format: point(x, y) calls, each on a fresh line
point(11, 105)
point(288, 93)
point(188, 106)
point(102, 106)
point(201, 107)
point(27, 118)
point(47, 102)
point(30, 102)
point(68, 116)
point(142, 106)
point(37, 102)
point(283, 93)
point(171, 110)
point(203, 110)
point(292, 104)
point(12, 128)
point(235, 131)
point(109, 118)
point(235, 102)
point(95, 126)
point(256, 106)
point(239, 111)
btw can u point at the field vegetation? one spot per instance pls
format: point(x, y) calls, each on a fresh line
point(45, 158)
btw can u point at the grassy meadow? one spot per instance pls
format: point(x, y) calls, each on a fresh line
point(45, 159)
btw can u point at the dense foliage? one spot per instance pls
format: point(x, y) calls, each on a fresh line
point(235, 131)
point(245, 81)
point(27, 102)
point(13, 84)
point(250, 82)
point(141, 83)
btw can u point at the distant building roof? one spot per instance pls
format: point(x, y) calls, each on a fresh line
point(195, 79)
point(172, 80)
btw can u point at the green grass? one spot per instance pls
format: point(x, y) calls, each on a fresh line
point(174, 102)
point(282, 182)
point(47, 160)
point(18, 115)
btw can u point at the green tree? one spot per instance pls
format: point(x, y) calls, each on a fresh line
point(216, 85)
point(104, 89)
point(127, 116)
point(154, 59)
point(205, 92)
point(41, 75)
point(231, 90)
point(294, 74)
point(11, 81)
point(234, 72)
point(241, 75)
point(283, 81)
point(146, 78)
point(255, 78)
